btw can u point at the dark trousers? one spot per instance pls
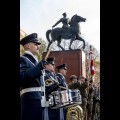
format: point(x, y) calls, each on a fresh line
point(54, 114)
point(31, 109)
point(65, 113)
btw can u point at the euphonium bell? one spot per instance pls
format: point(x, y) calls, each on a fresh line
point(74, 113)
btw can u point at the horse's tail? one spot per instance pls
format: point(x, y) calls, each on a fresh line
point(47, 35)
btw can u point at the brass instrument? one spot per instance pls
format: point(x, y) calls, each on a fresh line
point(74, 113)
point(50, 81)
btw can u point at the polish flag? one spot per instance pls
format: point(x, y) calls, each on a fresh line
point(92, 67)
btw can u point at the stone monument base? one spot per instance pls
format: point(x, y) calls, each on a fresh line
point(75, 60)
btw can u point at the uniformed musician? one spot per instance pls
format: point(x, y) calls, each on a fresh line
point(62, 70)
point(30, 81)
point(51, 85)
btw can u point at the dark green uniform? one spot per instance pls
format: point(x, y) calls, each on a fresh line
point(90, 102)
point(96, 104)
point(73, 85)
point(84, 93)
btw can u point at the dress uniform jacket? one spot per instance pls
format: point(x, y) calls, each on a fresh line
point(30, 72)
point(61, 79)
point(62, 82)
point(53, 114)
point(52, 87)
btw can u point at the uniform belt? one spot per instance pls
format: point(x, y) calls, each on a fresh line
point(32, 89)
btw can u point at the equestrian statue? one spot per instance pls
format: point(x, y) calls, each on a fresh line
point(70, 30)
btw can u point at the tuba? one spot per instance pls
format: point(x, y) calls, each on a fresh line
point(74, 113)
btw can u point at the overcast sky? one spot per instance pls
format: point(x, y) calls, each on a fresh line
point(39, 16)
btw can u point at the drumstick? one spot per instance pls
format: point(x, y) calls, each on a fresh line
point(47, 55)
point(63, 87)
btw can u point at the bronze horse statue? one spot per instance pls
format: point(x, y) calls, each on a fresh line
point(72, 33)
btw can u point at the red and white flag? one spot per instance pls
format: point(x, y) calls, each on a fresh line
point(92, 67)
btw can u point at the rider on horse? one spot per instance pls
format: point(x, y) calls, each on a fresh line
point(65, 21)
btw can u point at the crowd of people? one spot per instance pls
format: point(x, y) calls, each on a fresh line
point(38, 80)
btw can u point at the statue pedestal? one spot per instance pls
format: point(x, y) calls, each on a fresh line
point(75, 60)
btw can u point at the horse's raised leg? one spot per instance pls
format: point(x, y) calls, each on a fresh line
point(81, 39)
point(71, 41)
point(49, 44)
point(59, 41)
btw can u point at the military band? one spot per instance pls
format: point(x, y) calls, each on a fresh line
point(42, 90)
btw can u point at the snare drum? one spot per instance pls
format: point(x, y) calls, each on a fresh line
point(59, 99)
point(75, 96)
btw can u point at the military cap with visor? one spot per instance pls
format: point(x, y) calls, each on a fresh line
point(63, 66)
point(51, 60)
point(30, 38)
